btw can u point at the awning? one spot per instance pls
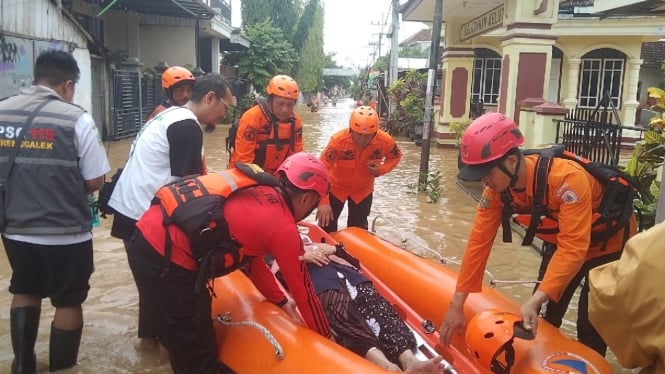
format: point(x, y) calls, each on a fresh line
point(173, 8)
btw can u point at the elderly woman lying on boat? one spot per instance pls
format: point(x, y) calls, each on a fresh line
point(362, 320)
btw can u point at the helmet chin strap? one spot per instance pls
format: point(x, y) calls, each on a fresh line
point(513, 176)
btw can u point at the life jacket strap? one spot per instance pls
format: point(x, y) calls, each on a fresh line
point(506, 212)
point(540, 188)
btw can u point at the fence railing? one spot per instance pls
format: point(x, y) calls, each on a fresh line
point(596, 141)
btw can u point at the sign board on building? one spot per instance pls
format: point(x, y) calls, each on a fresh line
point(482, 24)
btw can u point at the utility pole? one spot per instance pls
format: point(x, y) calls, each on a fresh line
point(394, 43)
point(380, 34)
point(431, 76)
point(394, 51)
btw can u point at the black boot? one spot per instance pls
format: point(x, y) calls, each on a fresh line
point(63, 348)
point(24, 323)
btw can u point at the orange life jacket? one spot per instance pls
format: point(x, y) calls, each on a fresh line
point(274, 141)
point(615, 209)
point(196, 206)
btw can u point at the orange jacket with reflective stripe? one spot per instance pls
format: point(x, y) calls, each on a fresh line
point(573, 195)
point(347, 163)
point(254, 140)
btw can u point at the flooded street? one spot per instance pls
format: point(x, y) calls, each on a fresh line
point(436, 231)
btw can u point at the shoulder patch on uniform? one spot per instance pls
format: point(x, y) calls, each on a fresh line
point(484, 201)
point(568, 197)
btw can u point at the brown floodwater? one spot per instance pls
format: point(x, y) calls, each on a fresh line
point(434, 230)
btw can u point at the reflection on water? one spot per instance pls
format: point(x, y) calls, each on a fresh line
point(436, 231)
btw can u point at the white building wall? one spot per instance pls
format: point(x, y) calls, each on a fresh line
point(83, 94)
point(28, 28)
point(172, 44)
point(40, 19)
point(650, 77)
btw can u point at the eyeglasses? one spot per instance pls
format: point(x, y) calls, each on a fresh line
point(228, 106)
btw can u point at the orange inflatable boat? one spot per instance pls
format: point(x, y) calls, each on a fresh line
point(428, 287)
point(256, 336)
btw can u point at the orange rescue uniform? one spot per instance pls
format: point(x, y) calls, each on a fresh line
point(573, 195)
point(347, 164)
point(255, 140)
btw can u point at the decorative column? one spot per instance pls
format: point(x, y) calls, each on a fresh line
point(456, 75)
point(629, 99)
point(573, 68)
point(525, 69)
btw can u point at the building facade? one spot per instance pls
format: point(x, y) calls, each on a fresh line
point(502, 53)
point(120, 47)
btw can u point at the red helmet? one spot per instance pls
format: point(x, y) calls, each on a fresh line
point(306, 172)
point(488, 138)
point(175, 75)
point(489, 339)
point(364, 120)
point(283, 86)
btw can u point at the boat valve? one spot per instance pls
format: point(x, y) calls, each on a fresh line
point(428, 326)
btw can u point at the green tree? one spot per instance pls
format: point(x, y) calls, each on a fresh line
point(409, 93)
point(412, 50)
point(300, 24)
point(269, 54)
point(307, 24)
point(283, 14)
point(312, 58)
point(381, 64)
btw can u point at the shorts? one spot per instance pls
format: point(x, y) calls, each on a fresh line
point(59, 272)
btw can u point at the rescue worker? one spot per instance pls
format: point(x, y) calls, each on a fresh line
point(271, 130)
point(177, 83)
point(51, 158)
point(168, 147)
point(274, 211)
point(623, 302)
point(490, 153)
point(355, 157)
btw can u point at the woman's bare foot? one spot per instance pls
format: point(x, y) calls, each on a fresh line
point(376, 356)
point(430, 366)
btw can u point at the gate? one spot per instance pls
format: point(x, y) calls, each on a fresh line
point(126, 110)
point(135, 95)
point(594, 134)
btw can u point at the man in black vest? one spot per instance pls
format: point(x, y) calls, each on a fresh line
point(51, 158)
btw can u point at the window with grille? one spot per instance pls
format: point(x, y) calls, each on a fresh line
point(486, 80)
point(598, 75)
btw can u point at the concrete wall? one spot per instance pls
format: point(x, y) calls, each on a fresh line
point(173, 44)
point(29, 28)
point(650, 77)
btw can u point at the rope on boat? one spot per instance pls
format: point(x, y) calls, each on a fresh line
point(225, 319)
point(493, 282)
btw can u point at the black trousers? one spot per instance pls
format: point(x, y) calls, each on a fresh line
point(181, 316)
point(358, 213)
point(555, 311)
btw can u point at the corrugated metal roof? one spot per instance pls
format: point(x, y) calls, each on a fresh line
point(653, 53)
point(424, 35)
point(173, 8)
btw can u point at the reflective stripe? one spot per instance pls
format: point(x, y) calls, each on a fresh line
point(44, 161)
point(229, 179)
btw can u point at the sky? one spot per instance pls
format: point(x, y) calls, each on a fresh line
point(351, 25)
